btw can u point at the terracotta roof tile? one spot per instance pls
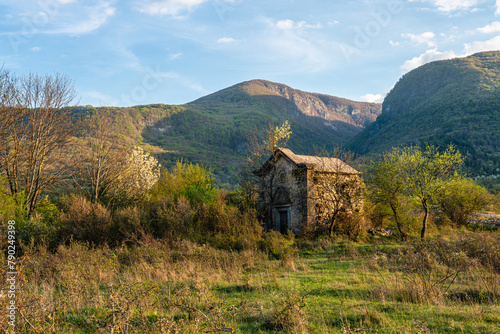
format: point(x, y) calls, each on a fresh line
point(323, 164)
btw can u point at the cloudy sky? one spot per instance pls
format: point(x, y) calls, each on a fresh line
point(130, 52)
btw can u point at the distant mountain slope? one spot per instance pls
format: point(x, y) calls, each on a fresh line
point(328, 107)
point(451, 101)
point(214, 129)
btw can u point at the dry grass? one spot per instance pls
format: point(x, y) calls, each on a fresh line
point(332, 287)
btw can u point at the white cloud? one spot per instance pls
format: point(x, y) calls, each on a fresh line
point(76, 19)
point(423, 38)
point(373, 98)
point(392, 43)
point(428, 56)
point(225, 40)
point(497, 5)
point(175, 55)
point(36, 48)
point(285, 24)
point(289, 24)
point(490, 28)
point(287, 46)
point(479, 46)
point(448, 6)
point(97, 17)
point(168, 7)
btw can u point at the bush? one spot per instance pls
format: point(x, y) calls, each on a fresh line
point(461, 198)
point(276, 244)
point(288, 315)
point(126, 225)
point(353, 225)
point(193, 182)
point(83, 220)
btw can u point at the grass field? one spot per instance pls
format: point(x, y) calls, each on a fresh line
point(445, 285)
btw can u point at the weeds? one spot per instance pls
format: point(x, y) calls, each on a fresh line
point(186, 287)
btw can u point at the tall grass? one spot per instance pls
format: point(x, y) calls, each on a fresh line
point(317, 286)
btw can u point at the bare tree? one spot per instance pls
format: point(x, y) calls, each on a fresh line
point(9, 111)
point(31, 154)
point(99, 155)
point(336, 187)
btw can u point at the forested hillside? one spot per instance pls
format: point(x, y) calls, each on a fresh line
point(451, 101)
point(213, 130)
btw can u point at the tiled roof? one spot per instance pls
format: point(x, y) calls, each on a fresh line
point(321, 164)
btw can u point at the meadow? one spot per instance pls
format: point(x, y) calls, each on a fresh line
point(446, 284)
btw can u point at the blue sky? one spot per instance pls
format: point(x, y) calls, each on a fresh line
point(131, 52)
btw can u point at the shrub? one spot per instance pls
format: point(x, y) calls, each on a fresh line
point(276, 244)
point(459, 199)
point(83, 220)
point(288, 314)
point(193, 182)
point(126, 225)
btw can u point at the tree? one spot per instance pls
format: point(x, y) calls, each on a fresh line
point(427, 172)
point(337, 189)
point(194, 182)
point(135, 176)
point(99, 156)
point(261, 158)
point(387, 186)
point(10, 112)
point(461, 198)
point(36, 134)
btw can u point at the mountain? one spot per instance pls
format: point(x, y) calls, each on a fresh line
point(213, 130)
point(450, 101)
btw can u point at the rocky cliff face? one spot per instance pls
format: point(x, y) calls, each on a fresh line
point(331, 108)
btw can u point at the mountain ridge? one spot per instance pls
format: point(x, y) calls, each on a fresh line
point(214, 129)
point(455, 101)
point(329, 107)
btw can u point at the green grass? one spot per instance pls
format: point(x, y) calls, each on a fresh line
point(151, 288)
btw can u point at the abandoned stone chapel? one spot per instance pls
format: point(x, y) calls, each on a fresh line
point(298, 191)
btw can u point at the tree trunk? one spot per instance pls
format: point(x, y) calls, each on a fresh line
point(332, 225)
point(403, 235)
point(424, 222)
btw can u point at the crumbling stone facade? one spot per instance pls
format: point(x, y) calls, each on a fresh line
point(288, 189)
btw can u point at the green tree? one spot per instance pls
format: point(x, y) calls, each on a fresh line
point(194, 182)
point(426, 172)
point(461, 198)
point(387, 186)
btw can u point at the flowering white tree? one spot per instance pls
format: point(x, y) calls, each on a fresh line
point(137, 174)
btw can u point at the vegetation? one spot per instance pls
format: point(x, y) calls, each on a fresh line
point(214, 130)
point(338, 194)
point(35, 129)
point(446, 102)
point(114, 242)
point(427, 177)
point(439, 285)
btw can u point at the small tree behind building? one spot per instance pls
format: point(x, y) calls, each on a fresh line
point(337, 190)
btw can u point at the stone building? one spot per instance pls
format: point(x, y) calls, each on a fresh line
point(295, 192)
